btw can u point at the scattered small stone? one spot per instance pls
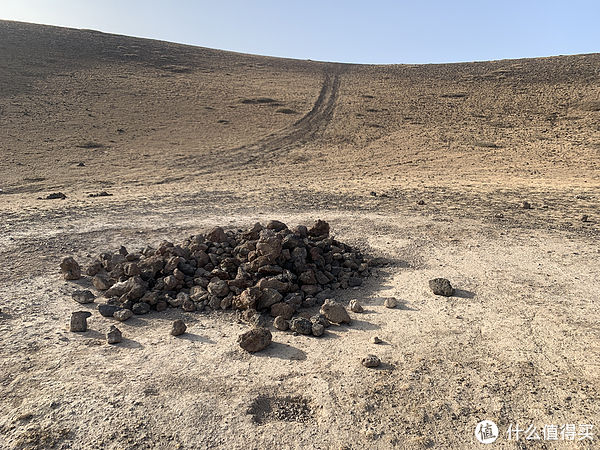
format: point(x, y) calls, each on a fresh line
point(100, 194)
point(70, 269)
point(107, 310)
point(373, 194)
point(371, 361)
point(335, 312)
point(140, 308)
point(83, 296)
point(318, 329)
point(255, 340)
point(123, 314)
point(526, 205)
point(376, 340)
point(54, 196)
point(355, 306)
point(178, 328)
point(79, 320)
point(390, 302)
point(81, 164)
point(499, 216)
point(421, 202)
point(281, 323)
point(584, 218)
point(441, 286)
point(301, 325)
point(114, 335)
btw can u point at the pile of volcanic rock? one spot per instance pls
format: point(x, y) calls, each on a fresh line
point(270, 269)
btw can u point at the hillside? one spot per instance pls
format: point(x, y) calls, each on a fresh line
point(427, 166)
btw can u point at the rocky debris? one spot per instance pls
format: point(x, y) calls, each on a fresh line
point(83, 296)
point(282, 309)
point(140, 308)
point(376, 340)
point(390, 302)
point(79, 320)
point(355, 306)
point(320, 318)
point(123, 315)
point(441, 286)
point(114, 335)
point(526, 205)
point(318, 329)
point(54, 196)
point(255, 340)
point(107, 310)
point(335, 312)
point(421, 202)
point(100, 194)
point(585, 218)
point(272, 270)
point(281, 323)
point(301, 325)
point(70, 269)
point(370, 361)
point(102, 282)
point(178, 328)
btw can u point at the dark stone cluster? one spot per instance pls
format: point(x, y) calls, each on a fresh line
point(272, 268)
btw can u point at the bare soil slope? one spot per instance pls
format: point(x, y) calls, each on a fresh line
point(185, 138)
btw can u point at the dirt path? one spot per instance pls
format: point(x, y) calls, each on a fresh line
point(306, 129)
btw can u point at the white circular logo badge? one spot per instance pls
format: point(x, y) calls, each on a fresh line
point(486, 432)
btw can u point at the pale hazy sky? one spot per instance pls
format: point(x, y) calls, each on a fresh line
point(348, 31)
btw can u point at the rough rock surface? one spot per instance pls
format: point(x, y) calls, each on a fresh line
point(178, 328)
point(441, 286)
point(355, 306)
point(114, 335)
point(390, 302)
point(255, 340)
point(83, 296)
point(335, 312)
point(79, 320)
point(371, 361)
point(70, 269)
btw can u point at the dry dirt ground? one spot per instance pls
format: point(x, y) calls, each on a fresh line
point(187, 138)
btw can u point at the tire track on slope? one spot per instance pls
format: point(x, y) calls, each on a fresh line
point(309, 127)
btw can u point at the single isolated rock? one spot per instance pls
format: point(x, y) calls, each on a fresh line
point(123, 315)
point(371, 361)
point(178, 328)
point(281, 323)
point(441, 286)
point(70, 269)
point(114, 335)
point(355, 306)
point(335, 312)
point(390, 302)
point(376, 340)
point(255, 340)
point(526, 205)
point(79, 320)
point(83, 297)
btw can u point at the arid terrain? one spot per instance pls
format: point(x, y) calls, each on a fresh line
point(425, 165)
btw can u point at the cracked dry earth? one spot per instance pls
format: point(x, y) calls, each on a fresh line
point(424, 165)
